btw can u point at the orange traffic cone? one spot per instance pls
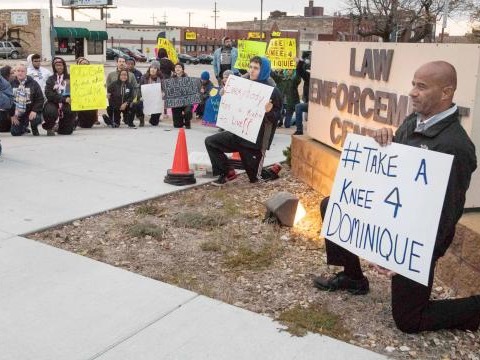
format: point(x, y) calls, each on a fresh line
point(180, 173)
point(236, 161)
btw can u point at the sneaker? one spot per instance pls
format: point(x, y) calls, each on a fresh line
point(223, 179)
point(107, 120)
point(50, 132)
point(298, 132)
point(340, 281)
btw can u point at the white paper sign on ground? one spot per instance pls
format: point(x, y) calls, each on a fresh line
point(152, 98)
point(243, 106)
point(386, 202)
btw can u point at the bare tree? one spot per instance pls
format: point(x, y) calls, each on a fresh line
point(406, 20)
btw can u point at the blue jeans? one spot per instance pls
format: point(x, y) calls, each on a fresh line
point(20, 129)
point(299, 110)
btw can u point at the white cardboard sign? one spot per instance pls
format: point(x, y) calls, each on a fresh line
point(386, 203)
point(243, 106)
point(152, 98)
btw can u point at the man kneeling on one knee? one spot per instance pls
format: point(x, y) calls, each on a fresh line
point(251, 154)
point(435, 125)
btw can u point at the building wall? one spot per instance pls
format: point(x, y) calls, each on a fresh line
point(27, 35)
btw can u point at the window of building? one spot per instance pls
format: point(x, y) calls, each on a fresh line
point(65, 46)
point(95, 47)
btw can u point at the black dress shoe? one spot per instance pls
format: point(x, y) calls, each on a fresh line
point(340, 281)
point(298, 133)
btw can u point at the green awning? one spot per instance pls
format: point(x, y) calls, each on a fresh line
point(71, 32)
point(98, 35)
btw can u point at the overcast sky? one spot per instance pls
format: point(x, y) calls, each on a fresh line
point(176, 11)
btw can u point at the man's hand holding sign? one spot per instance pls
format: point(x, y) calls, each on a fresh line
point(397, 205)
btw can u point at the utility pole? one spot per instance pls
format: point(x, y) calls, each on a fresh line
point(445, 16)
point(261, 20)
point(153, 17)
point(189, 17)
point(52, 31)
point(215, 16)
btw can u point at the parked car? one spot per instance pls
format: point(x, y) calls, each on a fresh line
point(205, 59)
point(137, 55)
point(113, 54)
point(10, 49)
point(187, 59)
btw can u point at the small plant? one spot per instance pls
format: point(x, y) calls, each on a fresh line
point(211, 245)
point(141, 230)
point(245, 257)
point(146, 209)
point(287, 152)
point(314, 318)
point(198, 220)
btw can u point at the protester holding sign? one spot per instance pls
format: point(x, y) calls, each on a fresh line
point(224, 58)
point(153, 76)
point(120, 97)
point(434, 125)
point(57, 92)
point(86, 118)
point(251, 153)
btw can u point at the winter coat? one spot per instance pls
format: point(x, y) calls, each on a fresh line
point(305, 75)
point(36, 99)
point(6, 94)
point(120, 93)
point(449, 137)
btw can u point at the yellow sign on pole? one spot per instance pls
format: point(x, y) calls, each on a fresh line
point(87, 87)
point(248, 49)
point(282, 53)
point(167, 45)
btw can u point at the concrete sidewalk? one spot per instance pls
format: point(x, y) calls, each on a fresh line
point(59, 305)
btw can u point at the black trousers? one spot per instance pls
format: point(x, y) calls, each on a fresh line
point(87, 118)
point(65, 116)
point(115, 114)
point(5, 121)
point(412, 309)
point(182, 116)
point(225, 142)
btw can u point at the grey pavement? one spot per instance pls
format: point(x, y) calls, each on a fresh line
point(59, 305)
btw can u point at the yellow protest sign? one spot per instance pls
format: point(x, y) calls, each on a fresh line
point(87, 87)
point(248, 49)
point(167, 45)
point(282, 53)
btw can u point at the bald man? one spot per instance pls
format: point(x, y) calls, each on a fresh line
point(434, 125)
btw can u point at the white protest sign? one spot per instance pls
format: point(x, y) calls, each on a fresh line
point(386, 203)
point(243, 106)
point(152, 98)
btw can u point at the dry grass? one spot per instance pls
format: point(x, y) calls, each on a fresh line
point(143, 229)
point(315, 318)
point(199, 220)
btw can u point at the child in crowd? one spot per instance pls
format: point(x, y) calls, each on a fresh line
point(205, 89)
point(120, 97)
point(181, 115)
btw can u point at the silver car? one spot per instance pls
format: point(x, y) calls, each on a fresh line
point(10, 49)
